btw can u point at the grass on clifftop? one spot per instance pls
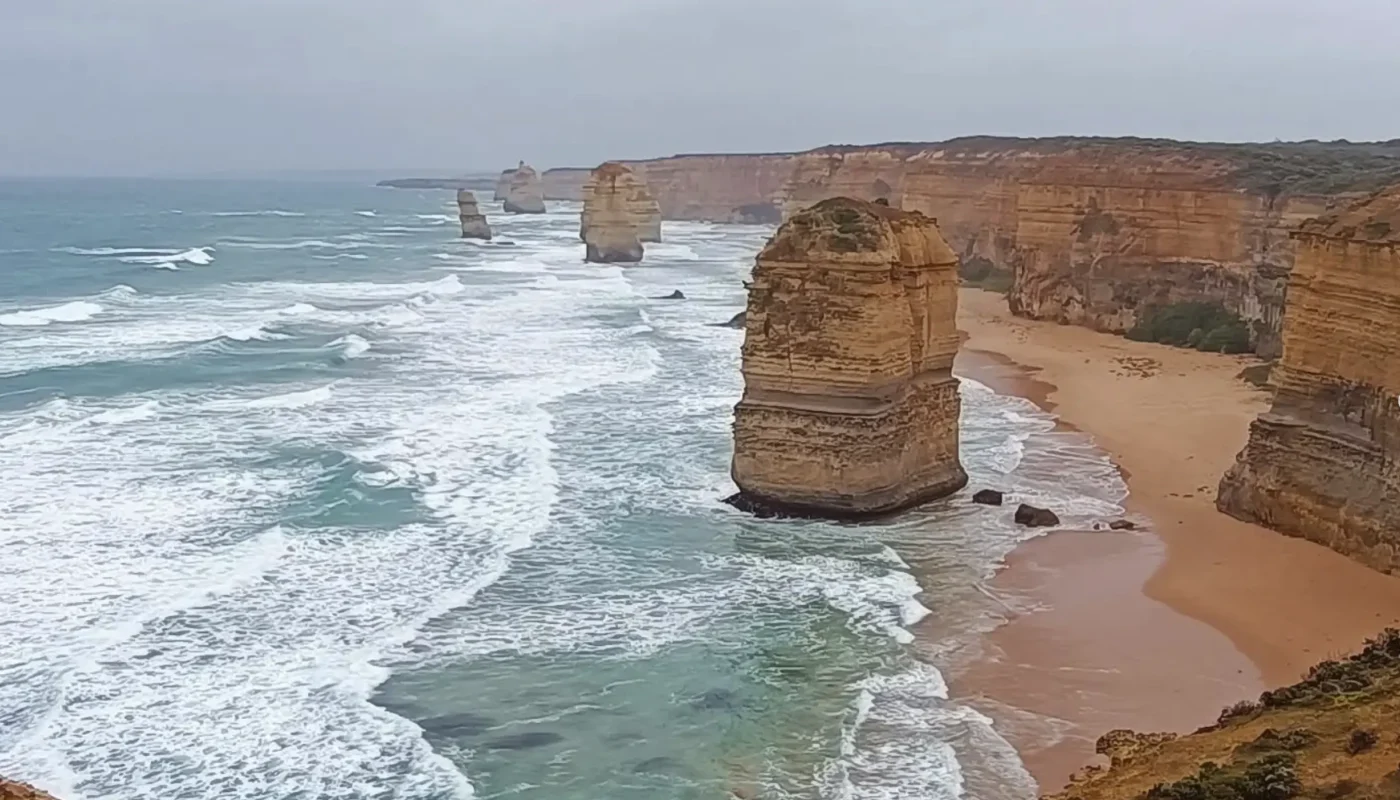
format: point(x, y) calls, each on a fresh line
point(1208, 327)
point(1335, 735)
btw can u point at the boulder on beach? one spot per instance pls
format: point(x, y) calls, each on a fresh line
point(1033, 517)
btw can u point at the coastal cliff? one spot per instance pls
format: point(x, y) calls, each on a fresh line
point(565, 183)
point(849, 406)
point(1093, 232)
point(524, 193)
point(1334, 735)
point(1322, 463)
point(503, 185)
point(613, 215)
point(474, 224)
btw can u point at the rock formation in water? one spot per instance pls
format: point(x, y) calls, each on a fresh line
point(503, 185)
point(1324, 462)
point(849, 408)
point(1093, 232)
point(610, 228)
point(613, 177)
point(524, 193)
point(474, 225)
point(1333, 736)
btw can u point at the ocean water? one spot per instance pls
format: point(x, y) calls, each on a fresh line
point(301, 496)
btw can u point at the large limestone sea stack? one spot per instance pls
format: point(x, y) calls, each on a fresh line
point(849, 408)
point(525, 192)
point(612, 177)
point(1324, 462)
point(474, 225)
point(610, 226)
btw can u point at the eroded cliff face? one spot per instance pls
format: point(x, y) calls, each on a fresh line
point(525, 193)
point(474, 225)
point(615, 215)
point(10, 790)
point(1096, 231)
point(503, 185)
point(1324, 463)
point(849, 406)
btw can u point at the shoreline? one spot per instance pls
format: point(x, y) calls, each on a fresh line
point(1162, 627)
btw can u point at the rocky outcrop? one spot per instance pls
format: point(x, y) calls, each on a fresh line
point(1098, 232)
point(10, 790)
point(849, 406)
point(474, 225)
point(524, 192)
point(613, 177)
point(1324, 462)
point(610, 228)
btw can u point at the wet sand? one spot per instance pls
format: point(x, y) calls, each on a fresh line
point(1160, 628)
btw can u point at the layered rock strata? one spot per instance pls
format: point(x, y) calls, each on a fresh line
point(641, 207)
point(849, 407)
point(1093, 232)
point(525, 192)
point(610, 228)
point(474, 224)
point(10, 790)
point(1324, 462)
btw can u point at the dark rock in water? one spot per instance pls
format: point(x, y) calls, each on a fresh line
point(717, 700)
point(524, 741)
point(750, 505)
point(658, 764)
point(676, 295)
point(1122, 525)
point(1036, 517)
point(987, 497)
point(464, 724)
point(737, 321)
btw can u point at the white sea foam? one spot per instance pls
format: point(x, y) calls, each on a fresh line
point(198, 255)
point(366, 213)
point(339, 256)
point(264, 213)
point(300, 308)
point(117, 251)
point(302, 399)
point(352, 346)
point(76, 311)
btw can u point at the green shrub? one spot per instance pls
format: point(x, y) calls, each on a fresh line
point(1203, 326)
point(975, 269)
point(1273, 777)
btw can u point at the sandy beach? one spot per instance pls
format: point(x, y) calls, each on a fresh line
point(1158, 628)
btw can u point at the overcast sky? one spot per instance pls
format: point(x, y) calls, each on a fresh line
point(191, 86)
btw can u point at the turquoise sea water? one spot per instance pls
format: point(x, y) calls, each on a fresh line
point(301, 496)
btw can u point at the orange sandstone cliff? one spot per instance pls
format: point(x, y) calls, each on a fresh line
point(524, 192)
point(1324, 462)
point(1095, 232)
point(849, 406)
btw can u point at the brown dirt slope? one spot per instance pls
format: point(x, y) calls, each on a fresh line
point(1333, 736)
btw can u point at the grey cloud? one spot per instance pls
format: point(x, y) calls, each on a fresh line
point(161, 86)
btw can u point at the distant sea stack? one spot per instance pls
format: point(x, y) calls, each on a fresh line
point(503, 185)
point(525, 193)
point(641, 206)
point(1324, 462)
point(609, 226)
point(849, 408)
point(474, 225)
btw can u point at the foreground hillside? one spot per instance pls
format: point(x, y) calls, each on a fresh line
point(1333, 736)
